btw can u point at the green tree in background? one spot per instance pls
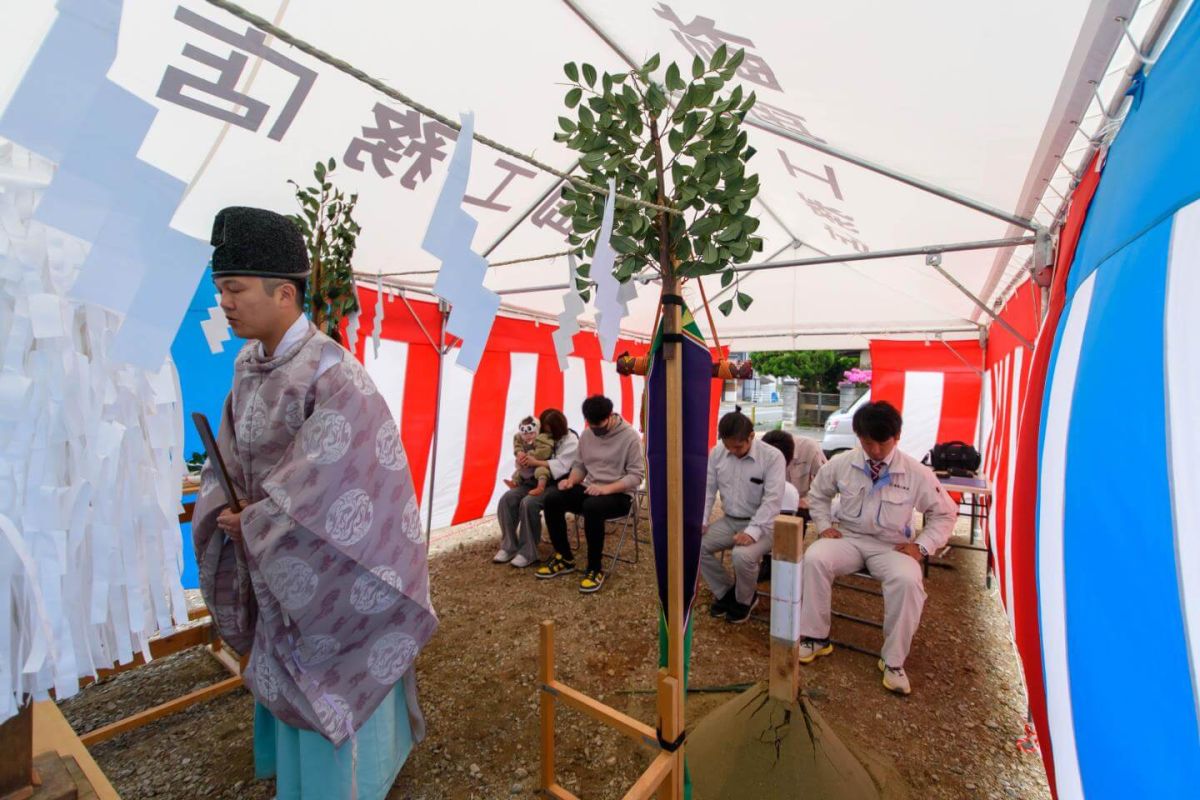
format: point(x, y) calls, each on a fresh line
point(817, 370)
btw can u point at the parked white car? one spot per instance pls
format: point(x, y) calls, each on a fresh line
point(839, 434)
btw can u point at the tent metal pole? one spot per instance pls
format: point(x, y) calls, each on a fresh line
point(956, 247)
point(795, 243)
point(516, 223)
point(937, 265)
point(722, 292)
point(895, 175)
point(851, 332)
point(959, 356)
point(444, 310)
point(549, 287)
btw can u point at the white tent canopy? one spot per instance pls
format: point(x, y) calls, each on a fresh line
point(968, 97)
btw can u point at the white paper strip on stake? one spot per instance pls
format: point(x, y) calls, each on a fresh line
point(216, 327)
point(609, 308)
point(568, 320)
point(352, 332)
point(14, 394)
point(460, 280)
point(45, 314)
point(40, 629)
point(785, 600)
point(377, 328)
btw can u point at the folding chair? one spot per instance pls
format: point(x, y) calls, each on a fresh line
point(629, 524)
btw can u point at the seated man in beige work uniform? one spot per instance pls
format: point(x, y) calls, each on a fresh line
point(877, 488)
point(750, 477)
point(802, 469)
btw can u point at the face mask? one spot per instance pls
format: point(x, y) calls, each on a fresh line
point(599, 431)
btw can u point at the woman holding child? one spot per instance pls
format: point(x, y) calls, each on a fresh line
point(520, 508)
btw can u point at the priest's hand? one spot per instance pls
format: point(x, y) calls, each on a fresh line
point(831, 533)
point(230, 521)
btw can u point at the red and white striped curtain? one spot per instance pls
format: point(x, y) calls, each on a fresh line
point(518, 376)
point(934, 384)
point(1005, 384)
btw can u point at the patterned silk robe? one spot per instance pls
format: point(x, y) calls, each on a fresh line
point(330, 590)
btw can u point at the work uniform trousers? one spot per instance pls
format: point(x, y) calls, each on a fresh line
point(746, 559)
point(520, 519)
point(901, 576)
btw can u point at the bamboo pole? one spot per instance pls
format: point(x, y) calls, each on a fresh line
point(546, 700)
point(673, 357)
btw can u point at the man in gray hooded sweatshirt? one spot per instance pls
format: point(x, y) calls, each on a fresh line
point(609, 467)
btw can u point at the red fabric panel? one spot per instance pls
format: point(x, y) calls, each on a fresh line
point(549, 390)
point(1021, 312)
point(1025, 488)
point(887, 384)
point(595, 378)
point(627, 398)
point(485, 436)
point(714, 405)
point(960, 407)
point(1000, 487)
point(956, 360)
point(420, 410)
point(509, 335)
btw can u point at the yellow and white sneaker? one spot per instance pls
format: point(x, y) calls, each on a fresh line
point(811, 649)
point(591, 582)
point(894, 679)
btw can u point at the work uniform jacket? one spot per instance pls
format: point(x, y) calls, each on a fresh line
point(882, 508)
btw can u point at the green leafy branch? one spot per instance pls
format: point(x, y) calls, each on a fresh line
point(331, 235)
point(624, 126)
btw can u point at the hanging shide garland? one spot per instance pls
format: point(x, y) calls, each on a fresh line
point(91, 466)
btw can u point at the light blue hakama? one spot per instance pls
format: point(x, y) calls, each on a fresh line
point(306, 766)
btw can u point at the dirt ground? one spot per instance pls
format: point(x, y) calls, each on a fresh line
point(954, 737)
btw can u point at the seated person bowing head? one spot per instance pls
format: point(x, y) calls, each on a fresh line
point(609, 467)
point(862, 503)
point(785, 443)
point(750, 476)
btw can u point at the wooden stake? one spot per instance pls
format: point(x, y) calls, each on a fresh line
point(16, 750)
point(546, 677)
point(669, 711)
point(673, 357)
point(652, 779)
point(784, 684)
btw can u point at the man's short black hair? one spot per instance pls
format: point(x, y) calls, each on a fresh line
point(781, 441)
point(735, 425)
point(877, 421)
point(597, 409)
point(271, 284)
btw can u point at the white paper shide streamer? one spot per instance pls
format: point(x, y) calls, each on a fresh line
point(377, 329)
point(216, 327)
point(460, 280)
point(612, 296)
point(568, 320)
point(90, 467)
